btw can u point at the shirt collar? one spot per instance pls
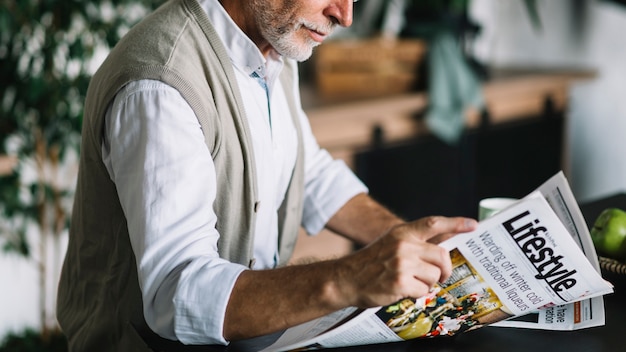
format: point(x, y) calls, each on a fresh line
point(244, 54)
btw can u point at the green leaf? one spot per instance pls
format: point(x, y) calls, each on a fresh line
point(533, 13)
point(18, 244)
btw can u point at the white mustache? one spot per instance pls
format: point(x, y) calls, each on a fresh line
point(325, 29)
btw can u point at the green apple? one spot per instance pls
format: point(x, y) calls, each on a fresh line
point(609, 233)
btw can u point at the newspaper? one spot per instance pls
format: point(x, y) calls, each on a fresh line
point(522, 260)
point(573, 316)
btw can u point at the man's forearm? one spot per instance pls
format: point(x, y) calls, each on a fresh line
point(267, 301)
point(404, 262)
point(362, 220)
point(297, 294)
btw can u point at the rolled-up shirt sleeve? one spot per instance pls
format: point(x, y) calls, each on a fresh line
point(329, 182)
point(155, 153)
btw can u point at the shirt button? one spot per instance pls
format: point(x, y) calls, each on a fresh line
point(256, 206)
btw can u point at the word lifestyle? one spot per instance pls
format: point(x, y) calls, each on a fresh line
point(530, 236)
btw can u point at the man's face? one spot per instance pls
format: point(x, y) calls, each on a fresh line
point(294, 27)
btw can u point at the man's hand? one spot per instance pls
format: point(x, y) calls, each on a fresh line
point(406, 262)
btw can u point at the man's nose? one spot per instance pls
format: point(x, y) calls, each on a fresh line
point(340, 12)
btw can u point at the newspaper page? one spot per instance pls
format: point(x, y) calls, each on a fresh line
point(573, 316)
point(514, 263)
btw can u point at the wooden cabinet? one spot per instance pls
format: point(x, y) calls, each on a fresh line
point(428, 177)
point(508, 150)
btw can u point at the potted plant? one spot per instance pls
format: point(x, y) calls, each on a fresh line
point(48, 51)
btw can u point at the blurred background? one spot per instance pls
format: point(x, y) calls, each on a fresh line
point(434, 103)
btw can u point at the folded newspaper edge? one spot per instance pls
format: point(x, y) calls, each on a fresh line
point(525, 259)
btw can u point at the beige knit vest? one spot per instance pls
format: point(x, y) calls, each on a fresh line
point(99, 304)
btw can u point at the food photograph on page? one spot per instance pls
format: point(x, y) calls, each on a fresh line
point(461, 303)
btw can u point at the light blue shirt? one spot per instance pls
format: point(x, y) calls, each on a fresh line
point(151, 132)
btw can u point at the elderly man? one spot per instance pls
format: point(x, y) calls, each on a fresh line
point(197, 169)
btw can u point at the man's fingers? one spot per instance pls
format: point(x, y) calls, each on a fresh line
point(439, 259)
point(430, 270)
point(407, 262)
point(435, 229)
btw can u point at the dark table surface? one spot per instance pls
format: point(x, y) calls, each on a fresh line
point(610, 337)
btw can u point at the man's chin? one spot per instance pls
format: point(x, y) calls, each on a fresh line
point(298, 55)
point(304, 57)
point(305, 52)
